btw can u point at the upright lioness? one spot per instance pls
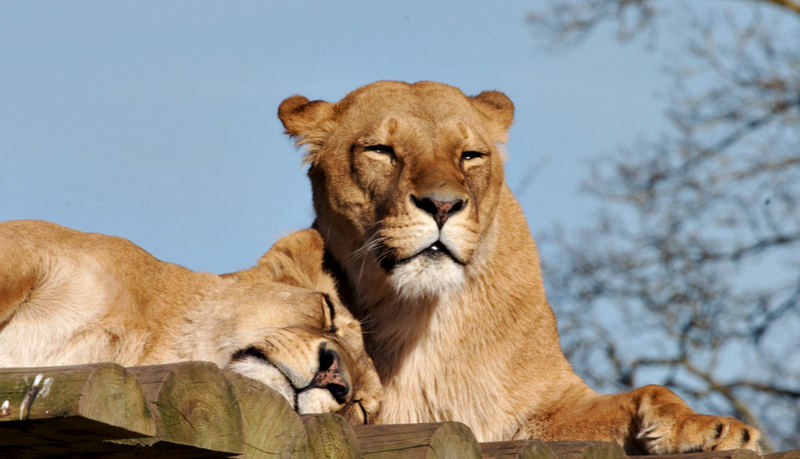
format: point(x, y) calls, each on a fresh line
point(68, 297)
point(433, 254)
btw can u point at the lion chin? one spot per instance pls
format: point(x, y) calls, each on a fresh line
point(431, 274)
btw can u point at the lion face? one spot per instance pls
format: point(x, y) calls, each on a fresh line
point(315, 358)
point(406, 178)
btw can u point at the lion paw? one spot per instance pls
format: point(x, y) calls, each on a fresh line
point(697, 433)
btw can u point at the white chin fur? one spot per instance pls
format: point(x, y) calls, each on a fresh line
point(316, 400)
point(427, 277)
point(265, 372)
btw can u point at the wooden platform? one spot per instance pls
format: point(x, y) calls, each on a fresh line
point(193, 409)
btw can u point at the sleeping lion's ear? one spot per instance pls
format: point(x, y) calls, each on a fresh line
point(497, 106)
point(307, 121)
point(296, 259)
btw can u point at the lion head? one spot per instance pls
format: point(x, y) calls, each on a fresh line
point(406, 179)
point(304, 343)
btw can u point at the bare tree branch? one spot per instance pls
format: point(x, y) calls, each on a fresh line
point(788, 4)
point(690, 276)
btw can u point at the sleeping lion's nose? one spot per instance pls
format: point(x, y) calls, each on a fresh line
point(330, 376)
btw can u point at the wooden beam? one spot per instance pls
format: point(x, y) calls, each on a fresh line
point(588, 450)
point(730, 454)
point(71, 404)
point(271, 427)
point(793, 454)
point(521, 449)
point(441, 440)
point(329, 435)
point(194, 405)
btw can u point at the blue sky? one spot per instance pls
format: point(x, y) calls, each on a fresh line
point(156, 121)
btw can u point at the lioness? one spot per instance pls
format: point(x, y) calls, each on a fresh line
point(68, 297)
point(434, 256)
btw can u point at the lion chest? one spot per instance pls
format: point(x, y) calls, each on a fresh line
point(442, 380)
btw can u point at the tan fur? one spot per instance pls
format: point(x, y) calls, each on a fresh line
point(68, 297)
point(467, 336)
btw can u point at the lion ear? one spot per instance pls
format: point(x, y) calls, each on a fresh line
point(307, 121)
point(300, 116)
point(497, 106)
point(296, 259)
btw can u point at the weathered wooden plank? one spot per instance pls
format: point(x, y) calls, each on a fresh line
point(329, 435)
point(271, 427)
point(729, 454)
point(587, 450)
point(440, 440)
point(70, 404)
point(522, 449)
point(193, 404)
point(792, 454)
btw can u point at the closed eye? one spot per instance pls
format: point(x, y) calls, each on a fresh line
point(331, 312)
point(249, 352)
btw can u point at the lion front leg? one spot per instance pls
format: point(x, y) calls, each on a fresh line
point(651, 420)
point(648, 420)
point(665, 424)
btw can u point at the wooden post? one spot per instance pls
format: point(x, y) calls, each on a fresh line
point(793, 454)
point(194, 405)
point(440, 440)
point(587, 450)
point(71, 404)
point(330, 436)
point(729, 454)
point(522, 449)
point(271, 427)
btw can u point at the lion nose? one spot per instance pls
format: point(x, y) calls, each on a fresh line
point(330, 375)
point(439, 210)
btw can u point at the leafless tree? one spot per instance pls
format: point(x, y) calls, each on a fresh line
point(690, 274)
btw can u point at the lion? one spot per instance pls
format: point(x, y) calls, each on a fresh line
point(433, 255)
point(69, 297)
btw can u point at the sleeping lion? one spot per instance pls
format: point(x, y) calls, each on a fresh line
point(68, 297)
point(433, 254)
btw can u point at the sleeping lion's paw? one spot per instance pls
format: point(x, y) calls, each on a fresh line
point(697, 433)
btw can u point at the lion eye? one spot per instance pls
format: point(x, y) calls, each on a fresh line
point(468, 155)
point(331, 313)
point(251, 351)
point(382, 149)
